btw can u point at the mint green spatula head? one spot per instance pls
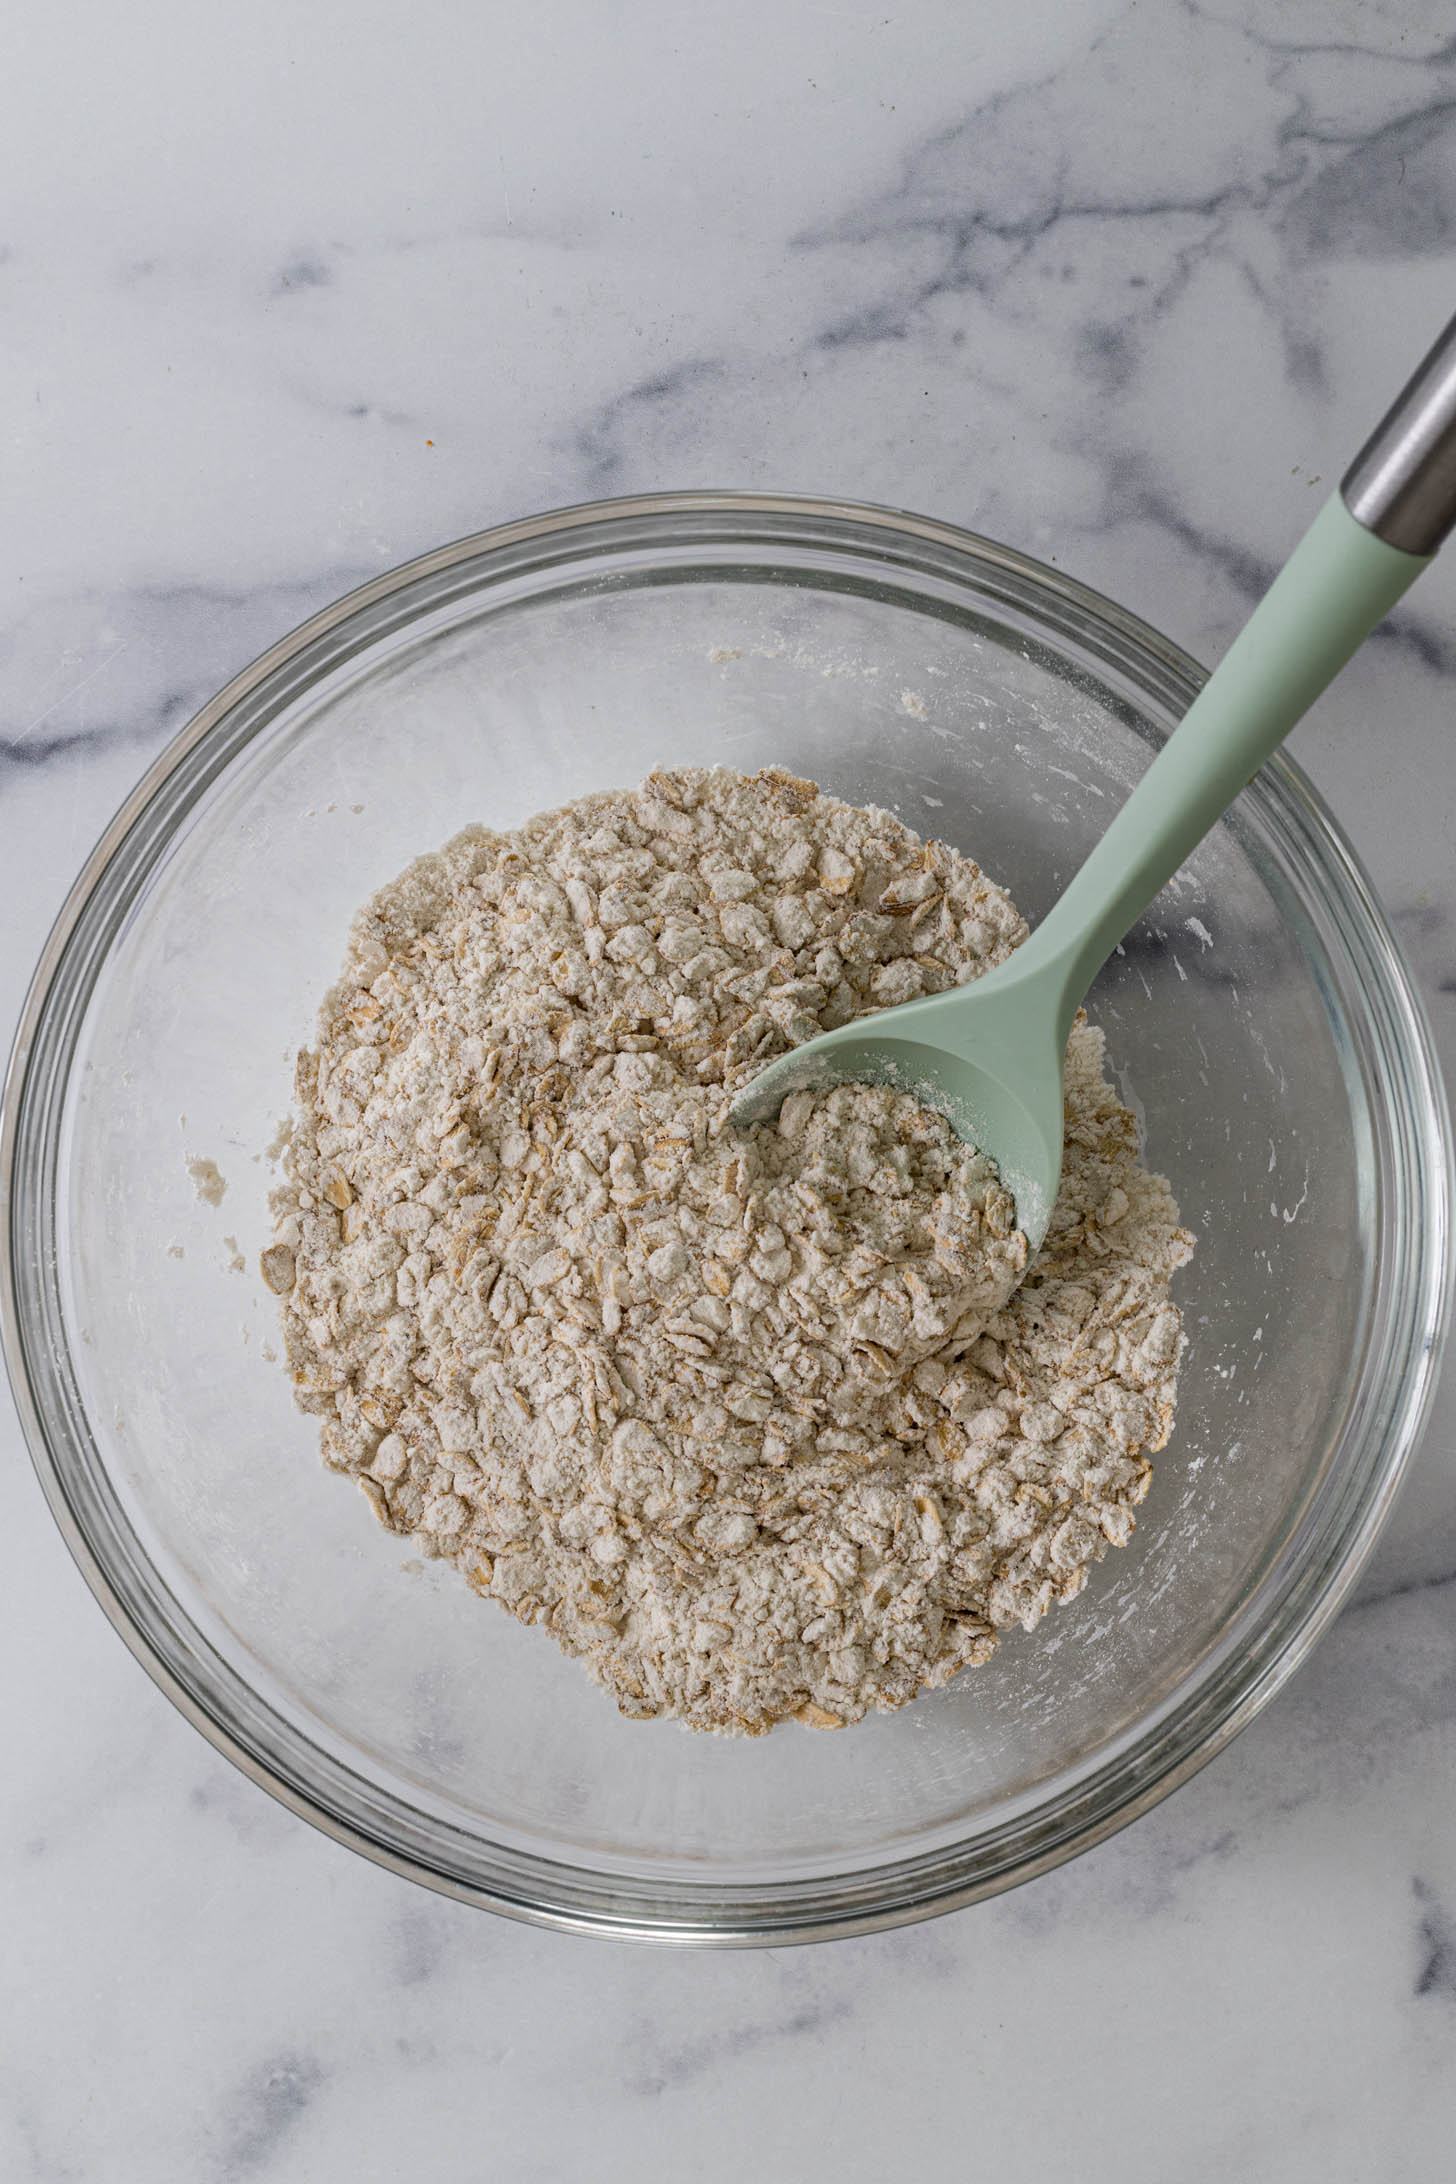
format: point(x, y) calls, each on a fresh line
point(989, 1056)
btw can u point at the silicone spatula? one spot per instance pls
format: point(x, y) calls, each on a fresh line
point(989, 1055)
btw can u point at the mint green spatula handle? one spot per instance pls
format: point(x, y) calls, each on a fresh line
point(1340, 582)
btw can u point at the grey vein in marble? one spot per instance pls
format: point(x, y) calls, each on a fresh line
point(265, 2110)
point(1437, 1974)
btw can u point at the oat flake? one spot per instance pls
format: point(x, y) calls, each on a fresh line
point(756, 1424)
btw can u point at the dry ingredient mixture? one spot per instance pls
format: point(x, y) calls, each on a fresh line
point(758, 1424)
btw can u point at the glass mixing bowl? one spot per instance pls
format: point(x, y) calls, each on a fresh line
point(1261, 1022)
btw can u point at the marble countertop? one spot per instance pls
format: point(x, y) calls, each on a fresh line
point(290, 293)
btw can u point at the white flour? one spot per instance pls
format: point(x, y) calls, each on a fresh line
point(753, 1422)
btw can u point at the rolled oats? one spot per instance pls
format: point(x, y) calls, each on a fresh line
point(759, 1425)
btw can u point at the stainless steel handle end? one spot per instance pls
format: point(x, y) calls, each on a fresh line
point(1402, 484)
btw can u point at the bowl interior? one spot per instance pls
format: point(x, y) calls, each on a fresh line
point(974, 720)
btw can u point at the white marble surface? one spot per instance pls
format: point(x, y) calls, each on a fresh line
point(290, 292)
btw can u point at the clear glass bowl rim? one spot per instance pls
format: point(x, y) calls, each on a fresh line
point(1413, 1165)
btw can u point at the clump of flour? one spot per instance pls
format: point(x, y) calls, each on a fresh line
point(756, 1423)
